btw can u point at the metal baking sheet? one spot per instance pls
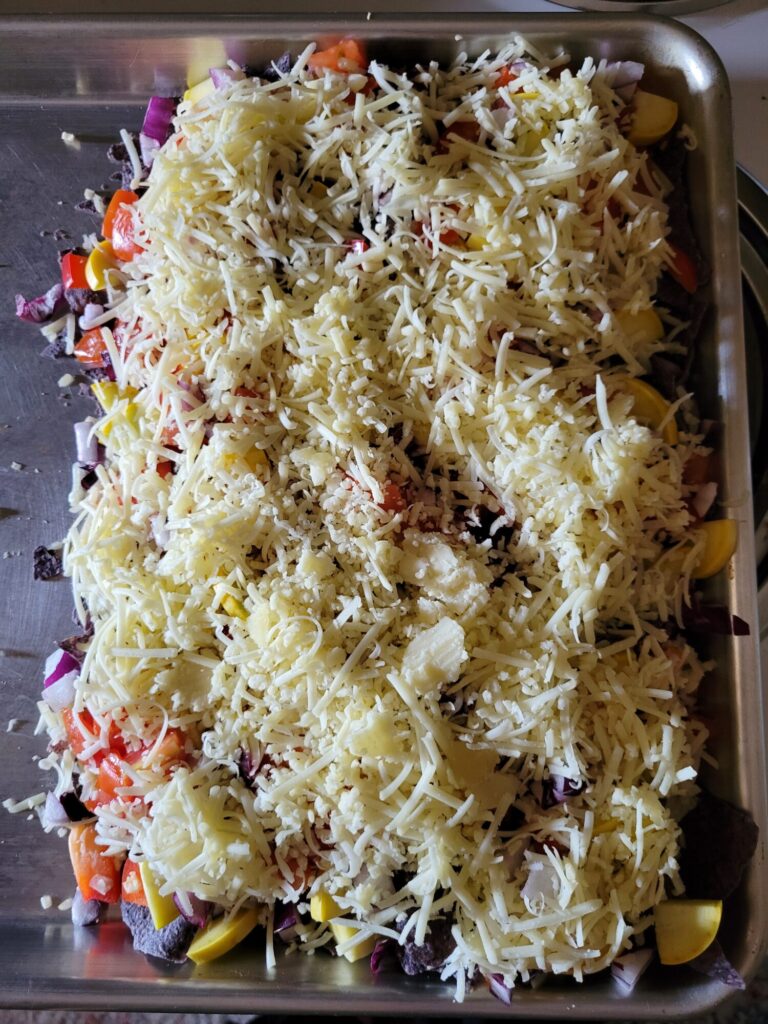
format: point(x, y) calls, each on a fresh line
point(92, 77)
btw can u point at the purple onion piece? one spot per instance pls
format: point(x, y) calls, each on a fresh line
point(149, 149)
point(193, 909)
point(85, 912)
point(628, 968)
point(498, 987)
point(222, 77)
point(623, 76)
point(157, 120)
point(557, 789)
point(43, 308)
point(704, 498)
point(248, 768)
point(379, 955)
point(59, 664)
point(87, 445)
point(54, 815)
point(286, 917)
point(61, 694)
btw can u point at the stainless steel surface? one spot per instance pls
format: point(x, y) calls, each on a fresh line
point(92, 77)
point(665, 7)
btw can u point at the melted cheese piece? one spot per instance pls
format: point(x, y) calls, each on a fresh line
point(313, 583)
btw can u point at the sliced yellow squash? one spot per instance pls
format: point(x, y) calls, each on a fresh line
point(233, 607)
point(650, 408)
point(642, 328)
point(162, 908)
point(653, 117)
point(343, 933)
point(100, 260)
point(197, 92)
point(720, 537)
point(323, 907)
point(685, 928)
point(220, 936)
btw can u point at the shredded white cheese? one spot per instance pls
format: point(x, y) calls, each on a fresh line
point(378, 541)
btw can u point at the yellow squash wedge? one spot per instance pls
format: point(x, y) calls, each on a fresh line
point(720, 537)
point(653, 117)
point(162, 908)
point(642, 328)
point(323, 907)
point(343, 933)
point(100, 260)
point(650, 408)
point(220, 936)
point(685, 928)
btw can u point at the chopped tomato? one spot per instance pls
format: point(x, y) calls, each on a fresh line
point(91, 348)
point(132, 888)
point(124, 245)
point(96, 874)
point(111, 778)
point(123, 197)
point(346, 57)
point(82, 731)
point(171, 750)
point(505, 76)
point(164, 468)
point(683, 269)
point(73, 270)
point(392, 497)
point(358, 246)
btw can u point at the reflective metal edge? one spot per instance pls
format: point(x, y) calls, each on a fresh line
point(94, 64)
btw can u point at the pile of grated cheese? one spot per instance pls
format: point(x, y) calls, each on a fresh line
point(409, 555)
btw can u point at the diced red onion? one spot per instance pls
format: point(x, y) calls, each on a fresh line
point(499, 988)
point(59, 664)
point(557, 789)
point(630, 967)
point(54, 815)
point(623, 77)
point(85, 912)
point(542, 884)
point(222, 77)
point(192, 908)
point(378, 956)
point(286, 918)
point(87, 445)
point(157, 120)
point(149, 149)
point(703, 499)
point(61, 694)
point(92, 311)
point(44, 307)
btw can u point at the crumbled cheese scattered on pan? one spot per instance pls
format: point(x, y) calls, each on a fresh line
point(378, 535)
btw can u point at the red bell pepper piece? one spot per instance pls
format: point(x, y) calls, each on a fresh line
point(346, 57)
point(73, 270)
point(683, 269)
point(91, 348)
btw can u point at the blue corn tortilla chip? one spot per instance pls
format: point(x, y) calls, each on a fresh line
point(169, 943)
point(720, 840)
point(431, 954)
